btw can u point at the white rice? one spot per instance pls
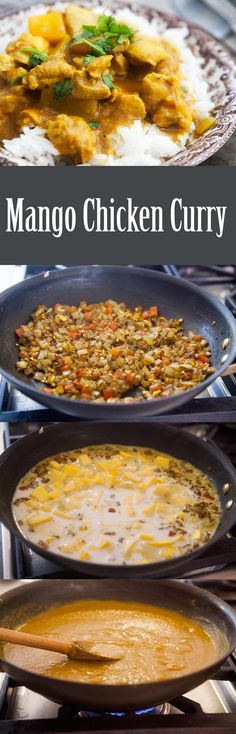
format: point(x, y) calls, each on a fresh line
point(135, 145)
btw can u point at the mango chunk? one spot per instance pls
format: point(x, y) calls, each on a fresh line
point(71, 470)
point(54, 494)
point(54, 464)
point(85, 459)
point(40, 493)
point(49, 26)
point(84, 556)
point(149, 510)
point(38, 519)
point(146, 536)
point(163, 462)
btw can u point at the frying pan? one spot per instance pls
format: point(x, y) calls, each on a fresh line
point(218, 619)
point(136, 286)
point(27, 452)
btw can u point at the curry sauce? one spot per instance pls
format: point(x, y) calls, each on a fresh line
point(156, 643)
point(80, 76)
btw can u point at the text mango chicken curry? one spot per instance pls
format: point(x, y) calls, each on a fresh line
point(80, 76)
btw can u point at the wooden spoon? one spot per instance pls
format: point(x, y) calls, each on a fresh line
point(98, 652)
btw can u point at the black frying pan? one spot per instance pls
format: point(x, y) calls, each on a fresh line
point(136, 286)
point(27, 452)
point(218, 619)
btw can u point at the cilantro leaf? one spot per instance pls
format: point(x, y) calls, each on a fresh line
point(62, 89)
point(81, 37)
point(36, 57)
point(88, 60)
point(94, 124)
point(108, 81)
point(17, 79)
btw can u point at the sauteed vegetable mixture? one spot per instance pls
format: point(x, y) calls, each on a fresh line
point(106, 352)
point(117, 505)
point(157, 644)
point(79, 76)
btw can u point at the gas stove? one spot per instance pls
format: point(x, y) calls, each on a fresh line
point(209, 708)
point(211, 416)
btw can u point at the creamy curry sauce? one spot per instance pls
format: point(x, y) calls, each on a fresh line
point(116, 504)
point(157, 644)
point(80, 76)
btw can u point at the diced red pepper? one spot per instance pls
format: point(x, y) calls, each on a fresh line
point(20, 332)
point(202, 358)
point(153, 311)
point(73, 334)
point(108, 393)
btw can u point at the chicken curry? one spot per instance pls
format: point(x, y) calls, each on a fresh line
point(157, 644)
point(79, 76)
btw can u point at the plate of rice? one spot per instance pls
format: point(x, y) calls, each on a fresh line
point(111, 84)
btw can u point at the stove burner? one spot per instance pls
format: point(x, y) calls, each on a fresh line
point(164, 708)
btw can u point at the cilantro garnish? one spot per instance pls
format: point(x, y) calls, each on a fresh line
point(104, 36)
point(88, 60)
point(17, 79)
point(108, 81)
point(94, 124)
point(36, 57)
point(62, 89)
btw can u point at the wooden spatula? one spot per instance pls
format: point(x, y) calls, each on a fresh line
point(94, 651)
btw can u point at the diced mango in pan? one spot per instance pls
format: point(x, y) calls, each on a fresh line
point(168, 553)
point(160, 507)
point(49, 26)
point(149, 510)
point(70, 547)
point(40, 493)
point(56, 475)
point(32, 504)
point(163, 462)
point(71, 470)
point(62, 514)
point(54, 464)
point(38, 519)
point(105, 544)
point(84, 556)
point(129, 547)
point(85, 459)
point(165, 541)
point(54, 494)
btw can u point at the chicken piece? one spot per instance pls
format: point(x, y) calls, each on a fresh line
point(144, 50)
point(78, 62)
point(14, 48)
point(13, 101)
point(99, 66)
point(86, 108)
point(171, 63)
point(120, 65)
point(166, 102)
point(75, 18)
point(6, 64)
point(15, 75)
point(123, 110)
point(47, 73)
point(72, 136)
point(174, 115)
point(86, 88)
point(31, 117)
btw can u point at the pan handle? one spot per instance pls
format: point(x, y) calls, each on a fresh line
point(231, 370)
